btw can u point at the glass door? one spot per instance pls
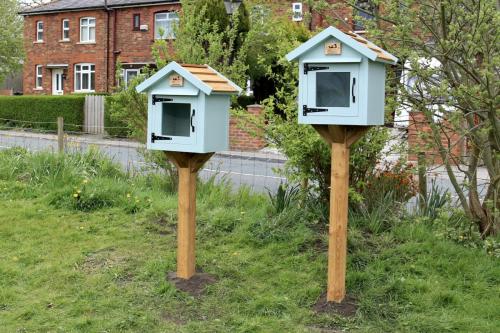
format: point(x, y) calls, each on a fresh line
point(57, 82)
point(332, 90)
point(177, 123)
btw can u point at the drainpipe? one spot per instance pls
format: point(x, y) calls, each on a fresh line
point(107, 44)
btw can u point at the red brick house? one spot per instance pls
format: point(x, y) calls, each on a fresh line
point(72, 46)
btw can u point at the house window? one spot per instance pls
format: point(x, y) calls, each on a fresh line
point(85, 78)
point(129, 75)
point(297, 11)
point(39, 31)
point(39, 76)
point(65, 29)
point(164, 25)
point(366, 11)
point(137, 22)
point(87, 30)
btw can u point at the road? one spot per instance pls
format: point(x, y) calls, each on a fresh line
point(254, 170)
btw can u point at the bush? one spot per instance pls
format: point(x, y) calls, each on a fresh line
point(114, 126)
point(41, 112)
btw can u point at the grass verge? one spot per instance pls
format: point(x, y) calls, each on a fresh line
point(86, 248)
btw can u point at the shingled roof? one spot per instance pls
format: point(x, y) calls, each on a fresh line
point(203, 77)
point(75, 5)
point(355, 41)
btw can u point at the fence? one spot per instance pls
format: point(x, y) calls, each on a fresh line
point(93, 113)
point(258, 170)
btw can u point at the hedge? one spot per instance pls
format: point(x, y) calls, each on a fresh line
point(41, 112)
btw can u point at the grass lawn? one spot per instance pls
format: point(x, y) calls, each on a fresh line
point(84, 248)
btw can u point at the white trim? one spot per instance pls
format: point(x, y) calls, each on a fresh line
point(39, 75)
point(170, 21)
point(125, 74)
point(88, 27)
point(82, 72)
point(39, 31)
point(64, 29)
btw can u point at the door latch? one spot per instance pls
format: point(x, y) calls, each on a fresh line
point(161, 99)
point(155, 137)
point(306, 110)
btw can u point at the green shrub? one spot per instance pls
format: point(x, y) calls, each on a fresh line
point(114, 126)
point(41, 112)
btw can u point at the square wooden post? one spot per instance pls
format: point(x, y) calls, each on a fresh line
point(340, 138)
point(188, 165)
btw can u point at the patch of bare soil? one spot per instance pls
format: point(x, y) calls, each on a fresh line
point(195, 286)
point(102, 260)
point(347, 308)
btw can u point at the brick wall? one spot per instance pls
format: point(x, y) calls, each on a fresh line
point(244, 136)
point(420, 139)
point(129, 46)
point(6, 92)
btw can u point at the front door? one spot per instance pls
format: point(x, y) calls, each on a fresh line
point(57, 82)
point(332, 90)
point(177, 120)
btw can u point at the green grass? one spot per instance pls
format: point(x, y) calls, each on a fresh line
point(101, 266)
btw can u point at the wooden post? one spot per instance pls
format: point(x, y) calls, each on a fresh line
point(340, 138)
point(60, 134)
point(188, 165)
point(422, 182)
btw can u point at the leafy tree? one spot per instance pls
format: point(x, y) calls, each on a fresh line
point(309, 158)
point(450, 50)
point(11, 41)
point(199, 40)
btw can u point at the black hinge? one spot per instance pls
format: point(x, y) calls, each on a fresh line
point(161, 99)
point(306, 110)
point(308, 68)
point(155, 137)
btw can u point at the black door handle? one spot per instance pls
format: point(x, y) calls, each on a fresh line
point(353, 85)
point(192, 115)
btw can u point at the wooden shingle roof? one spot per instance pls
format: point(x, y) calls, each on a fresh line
point(381, 54)
point(355, 41)
point(210, 77)
point(203, 77)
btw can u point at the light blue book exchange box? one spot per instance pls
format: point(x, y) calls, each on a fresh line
point(188, 109)
point(341, 79)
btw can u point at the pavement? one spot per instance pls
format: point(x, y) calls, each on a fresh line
point(257, 170)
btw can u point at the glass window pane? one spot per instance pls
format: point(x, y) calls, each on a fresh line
point(92, 22)
point(333, 89)
point(78, 82)
point(92, 81)
point(92, 34)
point(176, 119)
point(85, 35)
point(85, 81)
point(66, 24)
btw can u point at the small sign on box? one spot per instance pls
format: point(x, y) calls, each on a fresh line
point(176, 80)
point(333, 48)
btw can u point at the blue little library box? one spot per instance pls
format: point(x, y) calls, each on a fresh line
point(188, 109)
point(341, 79)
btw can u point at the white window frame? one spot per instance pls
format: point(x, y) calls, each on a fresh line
point(170, 18)
point(125, 74)
point(38, 77)
point(39, 31)
point(65, 29)
point(79, 78)
point(88, 27)
point(297, 13)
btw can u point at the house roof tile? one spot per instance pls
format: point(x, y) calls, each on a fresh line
point(73, 5)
